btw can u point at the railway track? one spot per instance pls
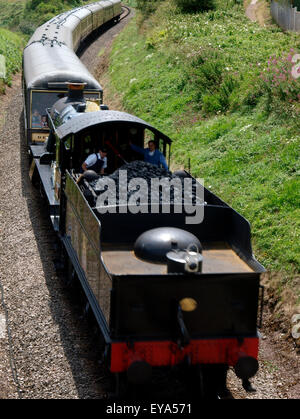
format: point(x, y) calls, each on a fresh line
point(126, 12)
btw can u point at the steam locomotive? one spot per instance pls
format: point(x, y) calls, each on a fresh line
point(166, 291)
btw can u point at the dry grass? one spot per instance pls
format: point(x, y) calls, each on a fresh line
point(262, 12)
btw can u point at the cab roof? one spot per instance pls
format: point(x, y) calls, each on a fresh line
point(89, 119)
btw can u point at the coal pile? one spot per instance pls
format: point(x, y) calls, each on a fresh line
point(142, 183)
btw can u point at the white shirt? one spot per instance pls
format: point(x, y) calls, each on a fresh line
point(91, 159)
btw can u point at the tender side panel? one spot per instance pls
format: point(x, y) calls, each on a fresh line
point(83, 237)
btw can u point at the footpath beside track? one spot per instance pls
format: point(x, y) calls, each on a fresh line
point(250, 10)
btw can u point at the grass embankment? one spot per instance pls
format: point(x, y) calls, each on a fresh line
point(26, 15)
point(11, 46)
point(221, 87)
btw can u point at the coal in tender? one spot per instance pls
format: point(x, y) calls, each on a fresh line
point(142, 170)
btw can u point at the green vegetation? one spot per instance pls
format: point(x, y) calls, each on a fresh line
point(194, 5)
point(40, 11)
point(18, 20)
point(11, 48)
point(147, 7)
point(221, 87)
point(11, 13)
point(25, 16)
point(131, 3)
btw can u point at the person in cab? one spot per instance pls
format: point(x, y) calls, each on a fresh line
point(151, 154)
point(96, 162)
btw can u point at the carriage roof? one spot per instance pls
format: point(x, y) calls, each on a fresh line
point(47, 62)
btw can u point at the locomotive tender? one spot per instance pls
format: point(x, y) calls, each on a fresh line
point(164, 293)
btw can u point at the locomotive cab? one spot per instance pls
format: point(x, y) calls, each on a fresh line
point(80, 126)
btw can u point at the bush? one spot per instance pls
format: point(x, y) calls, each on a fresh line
point(26, 27)
point(296, 3)
point(147, 6)
point(278, 78)
point(38, 12)
point(34, 4)
point(11, 46)
point(194, 5)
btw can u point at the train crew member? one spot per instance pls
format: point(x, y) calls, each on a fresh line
point(96, 162)
point(151, 154)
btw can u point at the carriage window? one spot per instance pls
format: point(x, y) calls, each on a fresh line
point(40, 102)
point(45, 99)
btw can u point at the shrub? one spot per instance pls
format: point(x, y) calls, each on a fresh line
point(27, 27)
point(194, 5)
point(278, 78)
point(296, 3)
point(39, 11)
point(211, 104)
point(147, 7)
point(206, 69)
point(11, 48)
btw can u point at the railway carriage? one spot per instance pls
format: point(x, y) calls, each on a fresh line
point(46, 69)
point(50, 59)
point(97, 10)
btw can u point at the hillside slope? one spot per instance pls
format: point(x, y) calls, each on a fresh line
point(11, 46)
point(18, 20)
point(221, 87)
point(25, 16)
